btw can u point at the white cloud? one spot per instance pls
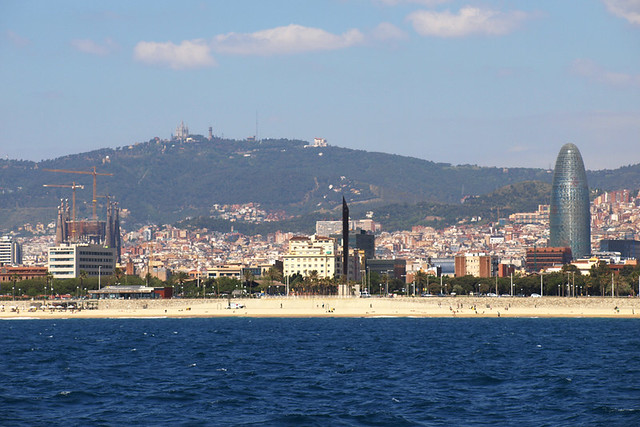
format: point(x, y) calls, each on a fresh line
point(284, 40)
point(188, 54)
point(627, 9)
point(387, 31)
point(469, 20)
point(592, 71)
point(93, 48)
point(17, 40)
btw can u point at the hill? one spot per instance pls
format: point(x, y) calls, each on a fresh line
point(520, 197)
point(166, 181)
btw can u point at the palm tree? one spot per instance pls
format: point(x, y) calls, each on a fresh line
point(83, 275)
point(181, 277)
point(248, 279)
point(325, 283)
point(273, 275)
point(117, 272)
point(14, 278)
point(48, 283)
point(421, 278)
point(48, 280)
point(313, 280)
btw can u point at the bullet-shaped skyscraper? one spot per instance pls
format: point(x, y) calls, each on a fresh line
point(569, 216)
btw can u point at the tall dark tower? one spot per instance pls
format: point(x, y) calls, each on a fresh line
point(116, 231)
point(60, 224)
point(345, 239)
point(569, 216)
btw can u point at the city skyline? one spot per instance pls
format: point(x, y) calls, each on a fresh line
point(458, 82)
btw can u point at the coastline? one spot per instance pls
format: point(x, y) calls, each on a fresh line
point(318, 306)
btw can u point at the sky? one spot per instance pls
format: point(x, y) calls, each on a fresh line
point(491, 83)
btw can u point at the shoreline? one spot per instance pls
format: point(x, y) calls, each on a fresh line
point(318, 306)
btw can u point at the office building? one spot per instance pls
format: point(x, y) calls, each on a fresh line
point(393, 268)
point(537, 259)
point(569, 215)
point(10, 251)
point(362, 240)
point(68, 260)
point(627, 248)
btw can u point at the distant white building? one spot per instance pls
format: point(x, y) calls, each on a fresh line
point(307, 254)
point(318, 142)
point(67, 260)
point(321, 254)
point(10, 251)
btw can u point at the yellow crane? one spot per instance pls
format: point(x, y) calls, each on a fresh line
point(94, 173)
point(73, 209)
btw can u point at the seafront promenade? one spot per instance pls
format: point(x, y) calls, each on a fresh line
point(461, 306)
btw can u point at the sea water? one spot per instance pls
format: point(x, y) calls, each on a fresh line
point(324, 372)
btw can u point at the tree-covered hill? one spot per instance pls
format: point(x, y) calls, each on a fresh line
point(520, 197)
point(162, 182)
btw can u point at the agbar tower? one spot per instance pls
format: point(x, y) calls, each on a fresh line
point(569, 216)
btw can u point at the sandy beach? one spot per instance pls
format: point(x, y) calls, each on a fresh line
point(343, 307)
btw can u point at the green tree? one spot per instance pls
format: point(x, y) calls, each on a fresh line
point(312, 280)
point(248, 279)
point(601, 276)
point(48, 282)
point(180, 278)
point(117, 273)
point(83, 276)
point(421, 278)
point(14, 278)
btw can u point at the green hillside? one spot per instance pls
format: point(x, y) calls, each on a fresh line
point(164, 182)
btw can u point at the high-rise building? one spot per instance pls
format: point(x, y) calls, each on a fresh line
point(569, 215)
point(10, 251)
point(360, 239)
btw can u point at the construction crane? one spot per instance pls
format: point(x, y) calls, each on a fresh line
point(73, 209)
point(107, 196)
point(94, 173)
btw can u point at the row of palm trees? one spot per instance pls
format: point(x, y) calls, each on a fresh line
point(601, 281)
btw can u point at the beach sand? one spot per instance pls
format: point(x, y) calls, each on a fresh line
point(461, 306)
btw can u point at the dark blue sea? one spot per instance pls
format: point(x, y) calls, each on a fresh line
point(324, 372)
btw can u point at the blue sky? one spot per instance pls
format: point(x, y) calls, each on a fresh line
point(492, 82)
